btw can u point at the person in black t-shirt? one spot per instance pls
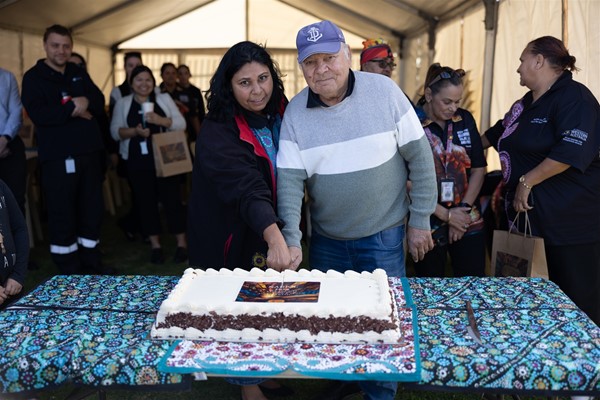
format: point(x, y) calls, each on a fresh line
point(191, 96)
point(460, 170)
point(548, 144)
point(131, 60)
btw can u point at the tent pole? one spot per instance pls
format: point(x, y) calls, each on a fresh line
point(565, 22)
point(247, 8)
point(401, 60)
point(431, 29)
point(491, 24)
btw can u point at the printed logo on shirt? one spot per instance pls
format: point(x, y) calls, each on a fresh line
point(575, 136)
point(464, 137)
point(539, 121)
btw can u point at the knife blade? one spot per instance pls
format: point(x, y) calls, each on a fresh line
point(282, 280)
point(472, 329)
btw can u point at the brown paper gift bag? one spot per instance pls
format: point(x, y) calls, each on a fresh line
point(171, 154)
point(519, 254)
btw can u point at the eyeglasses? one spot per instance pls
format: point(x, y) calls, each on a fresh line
point(447, 75)
point(383, 64)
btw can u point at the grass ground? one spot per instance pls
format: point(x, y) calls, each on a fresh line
point(132, 258)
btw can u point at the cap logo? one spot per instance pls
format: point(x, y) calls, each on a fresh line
point(314, 34)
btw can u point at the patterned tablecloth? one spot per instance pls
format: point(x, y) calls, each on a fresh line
point(91, 330)
point(94, 330)
point(534, 339)
point(391, 362)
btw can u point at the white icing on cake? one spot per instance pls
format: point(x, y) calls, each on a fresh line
point(341, 295)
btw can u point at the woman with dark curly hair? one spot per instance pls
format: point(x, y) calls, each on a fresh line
point(232, 220)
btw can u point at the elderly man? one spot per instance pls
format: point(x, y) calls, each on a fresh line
point(377, 57)
point(353, 139)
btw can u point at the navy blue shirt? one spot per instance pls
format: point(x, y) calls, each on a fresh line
point(563, 125)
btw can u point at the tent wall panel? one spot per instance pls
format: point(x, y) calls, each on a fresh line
point(460, 44)
point(99, 67)
point(584, 41)
point(519, 22)
point(415, 66)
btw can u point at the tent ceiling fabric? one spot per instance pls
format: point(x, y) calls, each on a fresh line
point(384, 18)
point(109, 22)
point(104, 23)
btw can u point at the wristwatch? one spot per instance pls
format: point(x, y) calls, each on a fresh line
point(522, 182)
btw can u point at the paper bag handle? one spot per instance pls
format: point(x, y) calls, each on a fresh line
point(515, 222)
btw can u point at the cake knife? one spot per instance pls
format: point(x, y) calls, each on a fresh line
point(472, 329)
point(282, 279)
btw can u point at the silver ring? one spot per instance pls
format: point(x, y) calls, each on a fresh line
point(466, 226)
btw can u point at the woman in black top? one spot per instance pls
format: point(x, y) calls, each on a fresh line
point(134, 129)
point(460, 169)
point(548, 144)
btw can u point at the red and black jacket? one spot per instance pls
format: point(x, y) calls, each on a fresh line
point(233, 197)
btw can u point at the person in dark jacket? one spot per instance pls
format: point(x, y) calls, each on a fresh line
point(64, 104)
point(191, 97)
point(14, 245)
point(232, 220)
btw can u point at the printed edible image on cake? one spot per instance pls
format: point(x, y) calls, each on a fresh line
point(279, 292)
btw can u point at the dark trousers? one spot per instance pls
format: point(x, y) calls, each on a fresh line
point(576, 270)
point(467, 257)
point(13, 171)
point(148, 191)
point(75, 211)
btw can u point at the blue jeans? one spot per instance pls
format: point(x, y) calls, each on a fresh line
point(245, 381)
point(383, 250)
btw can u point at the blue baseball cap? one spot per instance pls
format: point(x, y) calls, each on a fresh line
point(320, 37)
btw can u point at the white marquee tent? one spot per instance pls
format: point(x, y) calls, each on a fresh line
point(484, 37)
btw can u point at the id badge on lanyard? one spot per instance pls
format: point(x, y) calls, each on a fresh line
point(446, 183)
point(70, 165)
point(144, 147)
point(446, 190)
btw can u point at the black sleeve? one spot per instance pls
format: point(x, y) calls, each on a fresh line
point(493, 134)
point(477, 155)
point(94, 96)
point(40, 106)
point(19, 233)
point(232, 167)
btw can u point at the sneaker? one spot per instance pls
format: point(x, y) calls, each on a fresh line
point(181, 255)
point(157, 257)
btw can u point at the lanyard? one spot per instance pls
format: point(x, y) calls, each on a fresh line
point(444, 154)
